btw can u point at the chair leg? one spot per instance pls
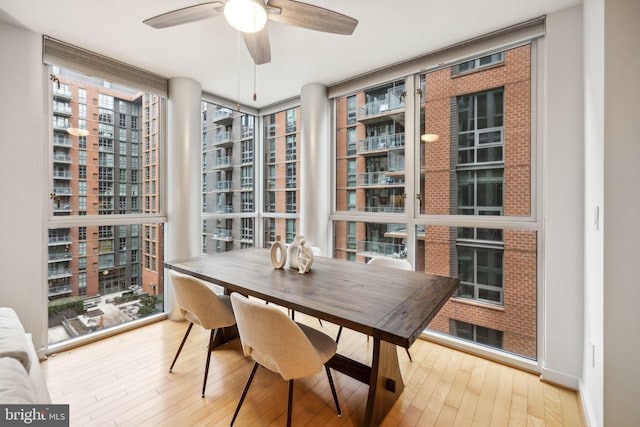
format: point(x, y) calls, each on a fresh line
point(244, 393)
point(333, 389)
point(339, 333)
point(212, 337)
point(409, 354)
point(290, 403)
point(184, 339)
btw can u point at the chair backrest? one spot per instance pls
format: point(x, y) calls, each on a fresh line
point(399, 263)
point(196, 298)
point(273, 340)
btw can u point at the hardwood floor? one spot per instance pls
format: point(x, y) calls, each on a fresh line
point(124, 380)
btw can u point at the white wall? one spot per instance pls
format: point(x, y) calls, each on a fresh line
point(563, 199)
point(22, 177)
point(620, 220)
point(592, 373)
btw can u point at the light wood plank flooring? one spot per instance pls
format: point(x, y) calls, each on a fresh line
point(124, 381)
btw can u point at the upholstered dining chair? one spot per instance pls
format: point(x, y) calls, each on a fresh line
point(400, 264)
point(276, 342)
point(201, 305)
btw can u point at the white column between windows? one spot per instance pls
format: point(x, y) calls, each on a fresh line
point(314, 166)
point(183, 227)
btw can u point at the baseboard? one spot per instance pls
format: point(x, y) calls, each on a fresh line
point(587, 410)
point(559, 378)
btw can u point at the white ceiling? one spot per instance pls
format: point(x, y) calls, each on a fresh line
point(210, 52)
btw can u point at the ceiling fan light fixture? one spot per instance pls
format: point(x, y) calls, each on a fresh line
point(247, 16)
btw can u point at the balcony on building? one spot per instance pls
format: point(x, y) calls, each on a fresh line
point(62, 92)
point(380, 179)
point(62, 174)
point(61, 157)
point(63, 191)
point(380, 143)
point(390, 107)
point(222, 234)
point(223, 117)
point(64, 256)
point(62, 140)
point(369, 249)
point(222, 138)
point(221, 162)
point(62, 207)
point(59, 290)
point(223, 208)
point(59, 273)
point(222, 186)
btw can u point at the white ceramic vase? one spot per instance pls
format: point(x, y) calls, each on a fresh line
point(278, 253)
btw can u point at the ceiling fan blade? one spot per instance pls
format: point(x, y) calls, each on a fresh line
point(311, 17)
point(185, 15)
point(258, 45)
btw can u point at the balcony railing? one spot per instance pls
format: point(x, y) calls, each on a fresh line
point(222, 114)
point(59, 290)
point(62, 174)
point(62, 92)
point(220, 209)
point(59, 240)
point(62, 191)
point(61, 157)
point(222, 138)
point(375, 248)
point(62, 141)
point(222, 186)
point(369, 179)
point(393, 100)
point(222, 234)
point(382, 142)
point(59, 273)
point(58, 257)
point(221, 162)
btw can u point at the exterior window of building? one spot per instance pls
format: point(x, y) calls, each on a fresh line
point(472, 148)
point(477, 63)
point(291, 147)
point(88, 262)
point(280, 146)
point(291, 202)
point(351, 110)
point(351, 141)
point(228, 185)
point(290, 230)
point(291, 175)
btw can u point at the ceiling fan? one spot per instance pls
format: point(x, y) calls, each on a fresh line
point(249, 17)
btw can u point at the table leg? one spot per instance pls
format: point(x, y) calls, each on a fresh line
point(385, 384)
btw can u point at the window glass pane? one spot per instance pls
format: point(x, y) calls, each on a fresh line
point(228, 184)
point(496, 301)
point(370, 149)
point(364, 240)
point(95, 277)
point(478, 153)
point(281, 195)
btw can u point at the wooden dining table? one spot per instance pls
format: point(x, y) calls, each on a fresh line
point(390, 305)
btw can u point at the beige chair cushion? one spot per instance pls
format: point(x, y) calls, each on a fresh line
point(200, 304)
point(278, 343)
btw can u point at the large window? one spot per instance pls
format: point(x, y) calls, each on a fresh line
point(472, 215)
point(281, 139)
point(102, 271)
point(228, 185)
